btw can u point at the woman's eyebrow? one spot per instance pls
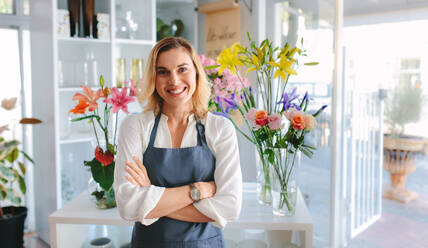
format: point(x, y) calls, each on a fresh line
point(161, 68)
point(183, 64)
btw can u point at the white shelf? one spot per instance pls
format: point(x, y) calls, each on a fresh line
point(77, 138)
point(73, 89)
point(81, 40)
point(134, 42)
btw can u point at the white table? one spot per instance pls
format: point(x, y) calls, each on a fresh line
point(253, 216)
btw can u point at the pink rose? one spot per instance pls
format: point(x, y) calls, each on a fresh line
point(291, 113)
point(274, 121)
point(310, 122)
point(251, 117)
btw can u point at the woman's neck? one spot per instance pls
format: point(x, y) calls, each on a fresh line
point(177, 114)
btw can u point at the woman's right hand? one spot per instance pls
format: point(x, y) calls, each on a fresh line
point(207, 189)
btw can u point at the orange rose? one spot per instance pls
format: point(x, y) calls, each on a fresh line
point(261, 118)
point(298, 121)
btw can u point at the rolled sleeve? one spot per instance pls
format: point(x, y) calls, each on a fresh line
point(133, 202)
point(225, 205)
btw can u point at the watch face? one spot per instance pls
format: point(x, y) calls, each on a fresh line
point(195, 194)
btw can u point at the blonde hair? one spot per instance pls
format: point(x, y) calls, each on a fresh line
point(147, 90)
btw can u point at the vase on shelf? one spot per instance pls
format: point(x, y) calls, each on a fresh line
point(88, 18)
point(283, 163)
point(74, 9)
point(264, 194)
point(103, 199)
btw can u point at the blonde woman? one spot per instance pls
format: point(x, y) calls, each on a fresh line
point(177, 172)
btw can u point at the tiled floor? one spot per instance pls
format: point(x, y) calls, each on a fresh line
point(32, 241)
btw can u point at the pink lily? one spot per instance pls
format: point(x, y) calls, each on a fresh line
point(4, 128)
point(89, 97)
point(119, 100)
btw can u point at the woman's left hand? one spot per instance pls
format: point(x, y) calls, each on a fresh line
point(137, 173)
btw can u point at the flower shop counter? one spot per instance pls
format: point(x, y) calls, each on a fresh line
point(81, 211)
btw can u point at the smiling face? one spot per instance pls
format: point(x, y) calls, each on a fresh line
point(175, 78)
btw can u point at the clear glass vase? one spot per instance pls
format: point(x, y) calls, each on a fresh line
point(264, 194)
point(283, 182)
point(101, 198)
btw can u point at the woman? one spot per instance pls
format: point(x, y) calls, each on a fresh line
point(177, 170)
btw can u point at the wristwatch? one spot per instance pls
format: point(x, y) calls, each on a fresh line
point(195, 194)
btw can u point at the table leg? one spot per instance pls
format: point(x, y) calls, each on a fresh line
point(53, 237)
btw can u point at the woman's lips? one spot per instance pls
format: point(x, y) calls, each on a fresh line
point(176, 92)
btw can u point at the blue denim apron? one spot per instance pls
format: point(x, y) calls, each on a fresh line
point(174, 167)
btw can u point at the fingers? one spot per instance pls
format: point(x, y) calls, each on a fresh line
point(140, 166)
point(131, 180)
point(131, 171)
point(138, 172)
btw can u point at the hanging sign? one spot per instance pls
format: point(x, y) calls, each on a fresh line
point(222, 25)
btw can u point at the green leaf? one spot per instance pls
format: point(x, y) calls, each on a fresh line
point(3, 193)
point(27, 157)
point(7, 172)
point(10, 144)
point(12, 196)
point(13, 155)
point(311, 63)
point(307, 152)
point(211, 67)
point(86, 117)
point(22, 186)
point(3, 180)
point(103, 175)
point(22, 167)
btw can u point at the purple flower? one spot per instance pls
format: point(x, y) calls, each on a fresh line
point(287, 100)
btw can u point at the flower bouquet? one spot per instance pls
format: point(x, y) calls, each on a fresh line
point(278, 129)
point(102, 165)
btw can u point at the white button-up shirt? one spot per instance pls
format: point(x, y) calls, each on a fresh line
point(134, 202)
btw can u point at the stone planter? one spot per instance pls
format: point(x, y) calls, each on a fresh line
point(399, 158)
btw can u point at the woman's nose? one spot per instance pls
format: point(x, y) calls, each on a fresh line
point(173, 78)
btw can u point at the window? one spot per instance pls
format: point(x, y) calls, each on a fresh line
point(7, 7)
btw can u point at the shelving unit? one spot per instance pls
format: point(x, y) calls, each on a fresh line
point(60, 147)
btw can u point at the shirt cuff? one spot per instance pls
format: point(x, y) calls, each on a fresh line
point(151, 200)
point(206, 207)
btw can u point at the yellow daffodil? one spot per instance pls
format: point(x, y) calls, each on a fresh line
point(229, 58)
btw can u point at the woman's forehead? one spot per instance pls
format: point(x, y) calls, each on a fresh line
point(174, 57)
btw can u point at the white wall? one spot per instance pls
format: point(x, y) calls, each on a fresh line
point(254, 23)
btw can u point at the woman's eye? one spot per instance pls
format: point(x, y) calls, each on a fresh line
point(162, 72)
point(182, 69)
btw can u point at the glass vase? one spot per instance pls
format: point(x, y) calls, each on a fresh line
point(264, 195)
point(282, 163)
point(101, 198)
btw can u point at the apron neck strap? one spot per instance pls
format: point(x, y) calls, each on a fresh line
point(199, 127)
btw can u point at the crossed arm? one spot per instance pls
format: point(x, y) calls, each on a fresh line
point(175, 203)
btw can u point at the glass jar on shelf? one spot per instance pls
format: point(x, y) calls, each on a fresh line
point(120, 72)
point(137, 70)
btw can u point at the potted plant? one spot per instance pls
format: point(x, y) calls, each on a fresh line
point(12, 184)
point(99, 116)
point(404, 105)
